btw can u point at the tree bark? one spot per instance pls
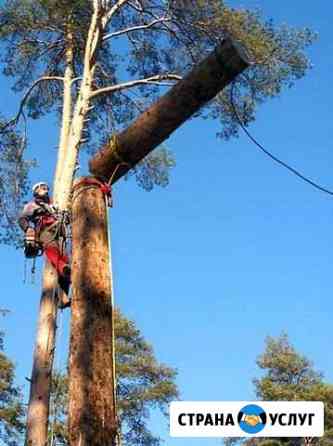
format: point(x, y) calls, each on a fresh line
point(157, 123)
point(38, 410)
point(70, 136)
point(92, 413)
point(66, 108)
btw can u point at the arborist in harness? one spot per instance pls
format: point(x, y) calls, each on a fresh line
point(45, 231)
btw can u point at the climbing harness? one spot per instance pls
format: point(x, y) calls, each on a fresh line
point(53, 226)
point(33, 247)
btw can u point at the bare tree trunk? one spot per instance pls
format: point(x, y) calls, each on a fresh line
point(92, 413)
point(41, 378)
point(157, 123)
point(66, 110)
point(40, 388)
point(70, 136)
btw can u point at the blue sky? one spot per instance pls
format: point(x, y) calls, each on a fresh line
point(233, 250)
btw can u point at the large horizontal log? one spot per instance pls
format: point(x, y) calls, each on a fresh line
point(170, 111)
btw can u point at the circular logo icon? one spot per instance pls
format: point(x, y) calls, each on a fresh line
point(252, 419)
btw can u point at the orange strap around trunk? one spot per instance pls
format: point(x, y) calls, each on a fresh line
point(104, 187)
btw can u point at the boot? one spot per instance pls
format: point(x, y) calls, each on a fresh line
point(64, 301)
point(64, 279)
point(64, 284)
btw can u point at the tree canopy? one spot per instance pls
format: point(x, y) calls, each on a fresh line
point(136, 49)
point(291, 376)
point(140, 40)
point(288, 375)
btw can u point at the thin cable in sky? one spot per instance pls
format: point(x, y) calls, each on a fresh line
point(273, 157)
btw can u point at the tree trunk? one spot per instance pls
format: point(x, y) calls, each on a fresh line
point(66, 109)
point(70, 136)
point(157, 123)
point(38, 410)
point(41, 378)
point(92, 413)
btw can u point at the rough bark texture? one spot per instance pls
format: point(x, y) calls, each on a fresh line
point(38, 410)
point(70, 137)
point(157, 123)
point(91, 387)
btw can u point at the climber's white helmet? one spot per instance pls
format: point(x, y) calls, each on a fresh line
point(37, 185)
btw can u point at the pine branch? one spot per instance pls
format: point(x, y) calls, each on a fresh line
point(26, 96)
point(76, 79)
point(115, 8)
point(156, 80)
point(136, 28)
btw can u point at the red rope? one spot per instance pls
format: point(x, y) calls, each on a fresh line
point(104, 187)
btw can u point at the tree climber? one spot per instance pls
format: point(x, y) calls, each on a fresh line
point(45, 231)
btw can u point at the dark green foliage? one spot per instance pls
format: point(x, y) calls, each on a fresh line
point(36, 33)
point(142, 384)
point(154, 169)
point(11, 407)
point(289, 376)
point(14, 183)
point(34, 36)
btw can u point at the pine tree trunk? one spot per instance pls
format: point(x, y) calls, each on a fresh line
point(73, 117)
point(92, 417)
point(181, 102)
point(40, 388)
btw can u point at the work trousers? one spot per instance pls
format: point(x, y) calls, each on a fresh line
point(53, 242)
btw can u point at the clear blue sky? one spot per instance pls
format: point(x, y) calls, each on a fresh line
point(235, 248)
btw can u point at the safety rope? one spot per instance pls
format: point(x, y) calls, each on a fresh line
point(25, 271)
point(33, 270)
point(113, 143)
point(60, 228)
point(115, 171)
point(115, 153)
point(114, 376)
